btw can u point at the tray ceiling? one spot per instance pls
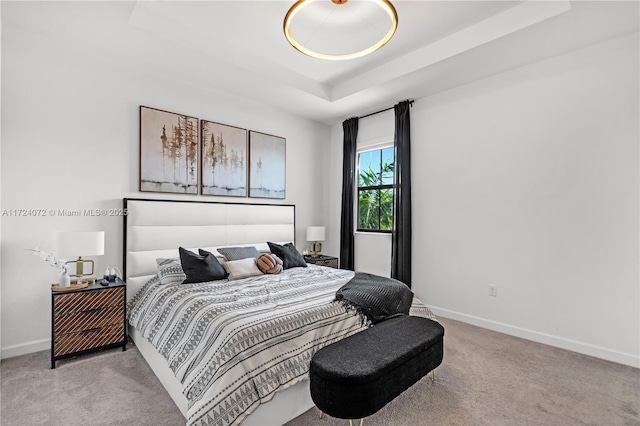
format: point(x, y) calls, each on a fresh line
point(238, 46)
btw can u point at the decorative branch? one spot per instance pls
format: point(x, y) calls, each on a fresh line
point(59, 264)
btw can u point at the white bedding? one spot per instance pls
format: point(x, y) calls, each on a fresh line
point(233, 344)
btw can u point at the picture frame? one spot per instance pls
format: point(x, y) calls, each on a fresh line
point(267, 165)
point(168, 152)
point(224, 154)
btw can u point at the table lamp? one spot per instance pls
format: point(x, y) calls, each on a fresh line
point(315, 234)
point(70, 244)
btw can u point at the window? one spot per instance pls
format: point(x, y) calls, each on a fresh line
point(375, 190)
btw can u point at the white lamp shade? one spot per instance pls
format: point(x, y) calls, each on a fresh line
point(73, 244)
point(315, 233)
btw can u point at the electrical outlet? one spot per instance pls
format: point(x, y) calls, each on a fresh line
point(493, 290)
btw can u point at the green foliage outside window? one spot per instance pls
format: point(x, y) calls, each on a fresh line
point(375, 190)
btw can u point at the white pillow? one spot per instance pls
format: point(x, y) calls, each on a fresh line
point(243, 268)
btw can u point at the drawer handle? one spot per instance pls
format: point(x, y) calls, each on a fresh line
point(93, 311)
point(91, 330)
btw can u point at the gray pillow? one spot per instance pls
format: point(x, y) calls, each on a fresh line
point(238, 253)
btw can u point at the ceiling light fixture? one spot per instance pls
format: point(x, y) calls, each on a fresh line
point(385, 5)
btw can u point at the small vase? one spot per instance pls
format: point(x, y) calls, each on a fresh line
point(65, 280)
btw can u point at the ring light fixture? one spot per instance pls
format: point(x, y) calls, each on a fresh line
point(301, 4)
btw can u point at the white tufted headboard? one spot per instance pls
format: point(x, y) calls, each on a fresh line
point(156, 228)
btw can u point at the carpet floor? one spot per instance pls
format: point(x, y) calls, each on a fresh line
point(486, 378)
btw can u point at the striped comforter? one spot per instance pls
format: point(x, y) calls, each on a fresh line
point(234, 344)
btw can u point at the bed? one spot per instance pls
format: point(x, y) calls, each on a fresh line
point(252, 367)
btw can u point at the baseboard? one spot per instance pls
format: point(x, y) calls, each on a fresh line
point(25, 348)
point(536, 336)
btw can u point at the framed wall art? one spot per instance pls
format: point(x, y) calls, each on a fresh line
point(224, 159)
point(267, 165)
point(168, 152)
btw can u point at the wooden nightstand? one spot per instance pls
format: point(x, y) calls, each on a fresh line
point(322, 260)
point(88, 320)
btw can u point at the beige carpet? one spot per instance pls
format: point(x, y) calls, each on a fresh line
point(106, 388)
point(487, 378)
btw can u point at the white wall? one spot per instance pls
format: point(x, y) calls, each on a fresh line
point(0, 180)
point(528, 180)
point(373, 253)
point(70, 140)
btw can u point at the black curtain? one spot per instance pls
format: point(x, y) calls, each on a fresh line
point(350, 129)
point(401, 236)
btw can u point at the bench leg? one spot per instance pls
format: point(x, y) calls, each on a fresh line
point(321, 414)
point(361, 422)
point(433, 376)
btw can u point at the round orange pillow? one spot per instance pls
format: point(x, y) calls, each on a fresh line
point(269, 263)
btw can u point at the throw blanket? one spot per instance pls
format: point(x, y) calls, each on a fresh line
point(375, 298)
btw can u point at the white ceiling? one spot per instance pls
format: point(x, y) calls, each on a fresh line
point(239, 47)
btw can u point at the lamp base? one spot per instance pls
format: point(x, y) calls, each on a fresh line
point(79, 264)
point(315, 249)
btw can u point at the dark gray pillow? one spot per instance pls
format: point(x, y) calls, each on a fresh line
point(238, 253)
point(201, 268)
point(289, 255)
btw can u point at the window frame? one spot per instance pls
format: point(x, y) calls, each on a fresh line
point(358, 188)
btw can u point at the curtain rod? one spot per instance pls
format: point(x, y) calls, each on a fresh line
point(383, 110)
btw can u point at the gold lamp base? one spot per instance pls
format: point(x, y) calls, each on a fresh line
point(80, 270)
point(315, 249)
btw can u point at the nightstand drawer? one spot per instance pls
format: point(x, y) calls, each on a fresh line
point(88, 339)
point(88, 318)
point(331, 263)
point(322, 260)
point(86, 301)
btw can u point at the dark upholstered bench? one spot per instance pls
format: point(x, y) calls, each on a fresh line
point(357, 376)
